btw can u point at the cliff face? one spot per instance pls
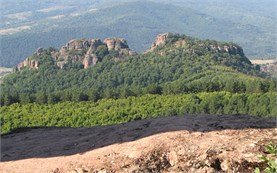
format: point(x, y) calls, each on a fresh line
point(87, 52)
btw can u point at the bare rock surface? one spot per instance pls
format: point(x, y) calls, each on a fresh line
point(160, 40)
point(80, 50)
point(203, 143)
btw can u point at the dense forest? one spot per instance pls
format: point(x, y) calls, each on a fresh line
point(181, 76)
point(114, 111)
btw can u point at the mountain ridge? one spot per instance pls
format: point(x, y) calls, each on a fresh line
point(85, 51)
point(174, 64)
point(89, 51)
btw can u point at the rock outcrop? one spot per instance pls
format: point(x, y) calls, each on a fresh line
point(120, 45)
point(160, 40)
point(180, 41)
point(77, 44)
point(231, 49)
point(34, 64)
point(86, 51)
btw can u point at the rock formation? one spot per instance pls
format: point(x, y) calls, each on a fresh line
point(34, 64)
point(120, 45)
point(160, 40)
point(83, 50)
point(181, 42)
point(90, 51)
point(231, 49)
point(77, 44)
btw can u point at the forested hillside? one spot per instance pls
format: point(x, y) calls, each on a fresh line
point(188, 75)
point(179, 64)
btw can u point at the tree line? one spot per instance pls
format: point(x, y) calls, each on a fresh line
point(114, 111)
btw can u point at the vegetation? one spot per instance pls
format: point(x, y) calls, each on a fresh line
point(171, 80)
point(113, 111)
point(167, 70)
point(271, 162)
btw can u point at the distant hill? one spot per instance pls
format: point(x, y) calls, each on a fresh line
point(138, 22)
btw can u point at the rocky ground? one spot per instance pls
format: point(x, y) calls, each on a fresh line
point(168, 144)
